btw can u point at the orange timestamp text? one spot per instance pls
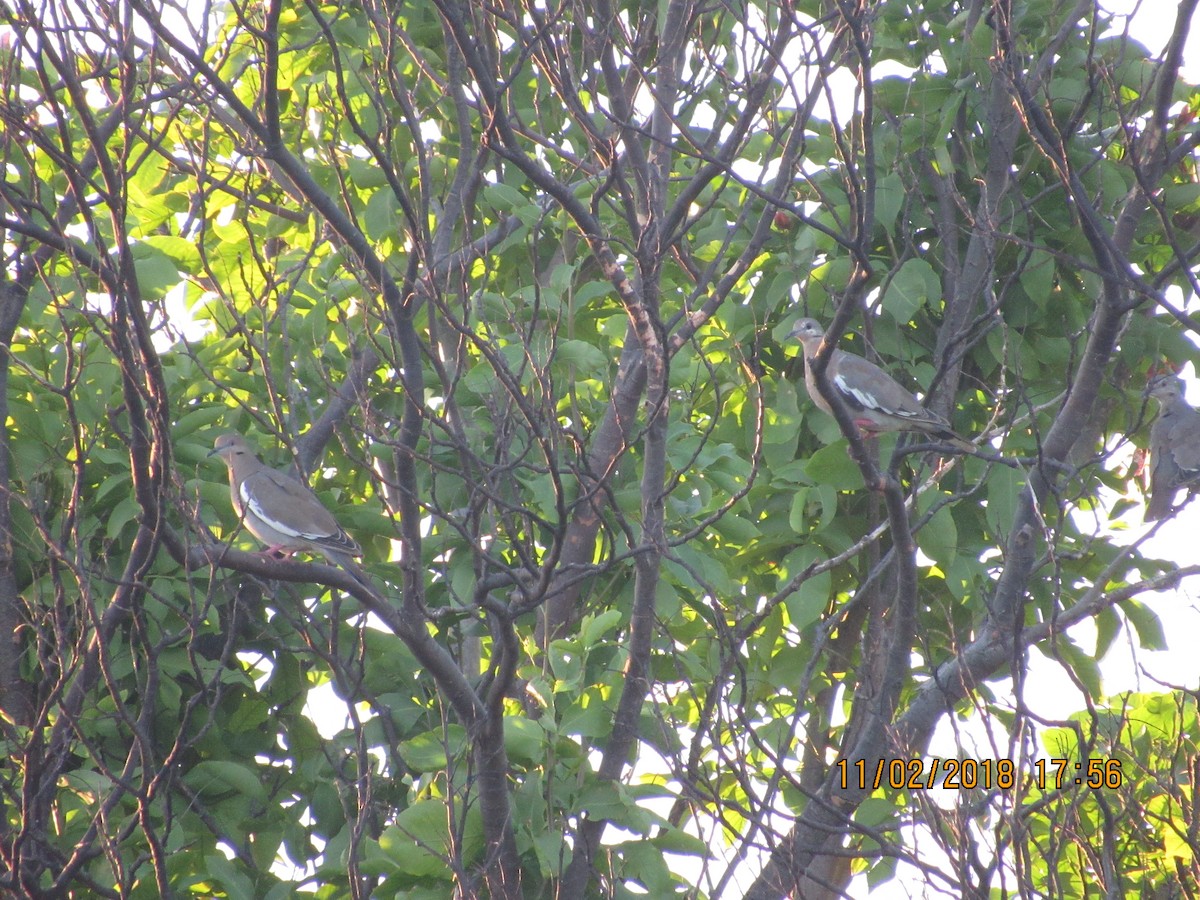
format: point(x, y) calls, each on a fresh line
point(969, 774)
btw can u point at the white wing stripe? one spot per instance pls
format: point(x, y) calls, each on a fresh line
point(866, 399)
point(869, 401)
point(254, 507)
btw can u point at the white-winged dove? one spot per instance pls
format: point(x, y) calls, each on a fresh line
point(875, 400)
point(280, 510)
point(1174, 446)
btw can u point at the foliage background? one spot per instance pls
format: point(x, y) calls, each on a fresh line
point(511, 284)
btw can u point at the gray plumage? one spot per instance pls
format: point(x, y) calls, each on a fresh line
point(875, 400)
point(282, 511)
point(1174, 447)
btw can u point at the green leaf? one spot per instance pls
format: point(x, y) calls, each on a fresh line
point(524, 740)
point(124, 513)
point(419, 842)
point(1037, 278)
point(183, 254)
point(914, 285)
point(585, 357)
point(506, 197)
point(875, 812)
point(736, 530)
point(1108, 628)
point(832, 467)
point(808, 602)
point(882, 872)
point(889, 200)
point(594, 628)
point(428, 752)
point(937, 538)
point(1004, 489)
point(217, 778)
point(156, 272)
point(676, 840)
point(1146, 623)
point(191, 422)
point(1084, 665)
point(797, 514)
point(381, 217)
point(237, 886)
